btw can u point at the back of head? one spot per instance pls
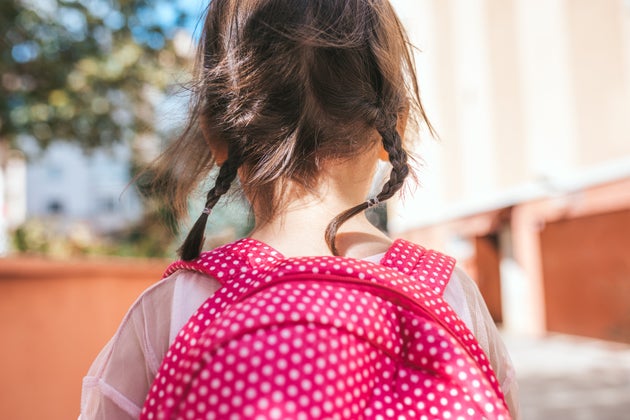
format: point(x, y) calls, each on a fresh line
point(284, 86)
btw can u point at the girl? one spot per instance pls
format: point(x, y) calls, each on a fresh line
point(296, 101)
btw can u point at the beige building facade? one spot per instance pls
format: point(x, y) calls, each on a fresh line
point(531, 102)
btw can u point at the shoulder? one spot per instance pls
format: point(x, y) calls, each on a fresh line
point(162, 305)
point(463, 290)
point(463, 295)
point(462, 281)
point(117, 380)
point(147, 328)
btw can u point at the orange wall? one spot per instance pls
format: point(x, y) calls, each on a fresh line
point(586, 267)
point(54, 318)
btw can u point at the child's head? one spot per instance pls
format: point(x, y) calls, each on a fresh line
point(285, 86)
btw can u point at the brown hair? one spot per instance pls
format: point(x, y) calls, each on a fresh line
point(284, 85)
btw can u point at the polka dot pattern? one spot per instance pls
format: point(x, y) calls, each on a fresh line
point(324, 337)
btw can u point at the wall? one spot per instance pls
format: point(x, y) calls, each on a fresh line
point(525, 95)
point(54, 318)
point(586, 268)
point(562, 260)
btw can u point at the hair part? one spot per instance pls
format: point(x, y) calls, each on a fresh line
point(286, 86)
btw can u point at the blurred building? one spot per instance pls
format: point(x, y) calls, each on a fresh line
point(529, 182)
point(70, 186)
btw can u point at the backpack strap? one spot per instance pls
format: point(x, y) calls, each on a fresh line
point(431, 268)
point(229, 261)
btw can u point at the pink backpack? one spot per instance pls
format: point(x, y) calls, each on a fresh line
point(324, 337)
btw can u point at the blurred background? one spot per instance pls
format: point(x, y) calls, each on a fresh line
point(528, 184)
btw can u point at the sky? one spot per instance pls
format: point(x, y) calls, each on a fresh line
point(195, 8)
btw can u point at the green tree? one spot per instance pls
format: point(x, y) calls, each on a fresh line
point(85, 70)
point(89, 72)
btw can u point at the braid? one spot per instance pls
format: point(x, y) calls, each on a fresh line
point(191, 248)
point(392, 143)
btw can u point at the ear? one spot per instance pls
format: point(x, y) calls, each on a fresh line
point(217, 145)
point(382, 154)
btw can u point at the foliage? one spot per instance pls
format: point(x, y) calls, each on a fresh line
point(151, 237)
point(85, 70)
point(49, 237)
point(90, 72)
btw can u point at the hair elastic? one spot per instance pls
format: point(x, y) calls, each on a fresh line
point(372, 202)
point(206, 210)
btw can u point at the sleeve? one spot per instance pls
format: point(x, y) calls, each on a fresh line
point(464, 297)
point(119, 379)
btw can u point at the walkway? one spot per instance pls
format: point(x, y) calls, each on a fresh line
point(563, 377)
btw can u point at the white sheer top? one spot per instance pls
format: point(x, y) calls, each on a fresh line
point(119, 379)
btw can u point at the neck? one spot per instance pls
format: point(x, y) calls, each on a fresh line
point(299, 231)
point(299, 227)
